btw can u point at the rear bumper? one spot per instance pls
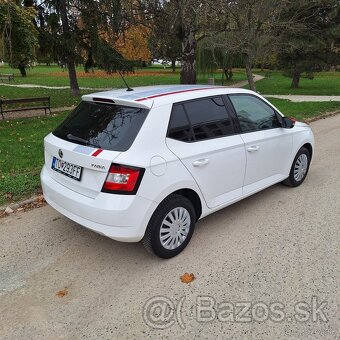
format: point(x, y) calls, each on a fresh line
point(120, 217)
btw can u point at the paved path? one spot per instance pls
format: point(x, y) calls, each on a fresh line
point(26, 114)
point(34, 113)
point(304, 98)
point(278, 246)
point(242, 83)
point(293, 98)
point(31, 86)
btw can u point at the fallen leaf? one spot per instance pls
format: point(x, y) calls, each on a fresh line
point(41, 199)
point(187, 278)
point(62, 293)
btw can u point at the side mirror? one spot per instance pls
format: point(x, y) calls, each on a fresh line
point(287, 123)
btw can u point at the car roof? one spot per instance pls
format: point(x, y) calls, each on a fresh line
point(154, 96)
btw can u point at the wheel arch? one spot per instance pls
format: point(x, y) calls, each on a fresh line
point(309, 147)
point(188, 193)
point(194, 198)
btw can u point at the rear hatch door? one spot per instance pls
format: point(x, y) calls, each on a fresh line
point(80, 168)
point(80, 151)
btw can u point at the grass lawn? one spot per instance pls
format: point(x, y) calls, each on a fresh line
point(21, 146)
point(21, 154)
point(324, 83)
point(54, 76)
point(304, 110)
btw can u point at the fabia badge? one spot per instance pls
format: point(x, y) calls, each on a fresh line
point(60, 153)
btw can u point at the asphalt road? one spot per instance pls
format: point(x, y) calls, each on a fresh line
point(269, 265)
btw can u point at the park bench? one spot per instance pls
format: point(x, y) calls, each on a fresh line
point(7, 77)
point(39, 103)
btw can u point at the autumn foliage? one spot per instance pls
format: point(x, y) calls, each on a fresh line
point(133, 43)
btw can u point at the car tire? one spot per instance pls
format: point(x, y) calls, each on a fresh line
point(299, 169)
point(171, 227)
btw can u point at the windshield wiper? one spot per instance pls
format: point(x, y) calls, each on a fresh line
point(81, 140)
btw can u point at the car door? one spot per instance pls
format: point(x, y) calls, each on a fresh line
point(268, 146)
point(201, 134)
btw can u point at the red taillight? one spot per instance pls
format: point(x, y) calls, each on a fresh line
point(123, 179)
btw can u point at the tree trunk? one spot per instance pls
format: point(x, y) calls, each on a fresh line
point(188, 71)
point(173, 64)
point(69, 49)
point(295, 80)
point(249, 72)
point(28, 3)
point(89, 61)
point(228, 72)
point(72, 74)
point(22, 70)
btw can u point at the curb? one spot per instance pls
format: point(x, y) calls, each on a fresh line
point(322, 116)
point(16, 206)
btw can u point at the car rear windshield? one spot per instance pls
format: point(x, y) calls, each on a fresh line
point(105, 126)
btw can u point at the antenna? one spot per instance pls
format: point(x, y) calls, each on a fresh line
point(126, 84)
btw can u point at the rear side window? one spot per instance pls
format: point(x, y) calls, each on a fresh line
point(200, 119)
point(209, 118)
point(105, 126)
point(179, 127)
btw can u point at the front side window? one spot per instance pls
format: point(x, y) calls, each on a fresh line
point(105, 126)
point(253, 113)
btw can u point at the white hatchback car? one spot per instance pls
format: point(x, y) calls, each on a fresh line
point(146, 165)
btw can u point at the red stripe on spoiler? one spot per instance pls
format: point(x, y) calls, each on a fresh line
point(176, 92)
point(97, 152)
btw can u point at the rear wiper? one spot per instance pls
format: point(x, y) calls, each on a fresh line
point(81, 140)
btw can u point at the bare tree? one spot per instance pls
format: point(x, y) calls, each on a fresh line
point(194, 20)
point(188, 20)
point(309, 43)
point(248, 24)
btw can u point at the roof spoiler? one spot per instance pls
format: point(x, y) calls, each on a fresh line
point(147, 104)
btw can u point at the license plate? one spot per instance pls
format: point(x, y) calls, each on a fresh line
point(68, 169)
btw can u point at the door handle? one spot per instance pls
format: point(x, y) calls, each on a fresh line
point(253, 148)
point(200, 162)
